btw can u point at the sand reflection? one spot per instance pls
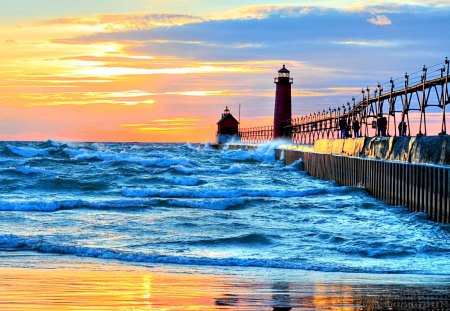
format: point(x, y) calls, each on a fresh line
point(85, 288)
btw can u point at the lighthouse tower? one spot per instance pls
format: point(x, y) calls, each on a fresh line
point(283, 103)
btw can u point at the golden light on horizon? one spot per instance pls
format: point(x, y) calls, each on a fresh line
point(199, 93)
point(122, 71)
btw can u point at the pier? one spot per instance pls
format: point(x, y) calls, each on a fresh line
point(397, 171)
point(370, 144)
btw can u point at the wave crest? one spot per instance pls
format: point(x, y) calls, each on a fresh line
point(219, 193)
point(212, 204)
point(29, 152)
point(52, 206)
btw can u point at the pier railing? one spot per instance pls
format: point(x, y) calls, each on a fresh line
point(418, 93)
point(256, 135)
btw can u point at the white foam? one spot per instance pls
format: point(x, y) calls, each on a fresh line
point(262, 153)
point(43, 245)
point(54, 143)
point(158, 160)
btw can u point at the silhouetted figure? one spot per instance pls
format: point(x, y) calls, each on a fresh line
point(356, 128)
point(402, 127)
point(381, 125)
point(343, 127)
point(348, 132)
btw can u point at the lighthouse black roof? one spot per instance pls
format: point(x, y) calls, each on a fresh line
point(228, 116)
point(283, 70)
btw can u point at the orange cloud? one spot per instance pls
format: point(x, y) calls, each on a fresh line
point(200, 93)
point(123, 22)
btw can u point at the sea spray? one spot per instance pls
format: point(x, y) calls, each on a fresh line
point(262, 153)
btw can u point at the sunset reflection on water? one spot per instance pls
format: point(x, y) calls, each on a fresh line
point(87, 288)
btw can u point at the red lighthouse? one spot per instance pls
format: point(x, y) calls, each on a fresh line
point(227, 128)
point(283, 103)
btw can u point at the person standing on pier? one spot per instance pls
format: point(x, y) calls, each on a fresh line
point(381, 125)
point(343, 127)
point(356, 127)
point(402, 127)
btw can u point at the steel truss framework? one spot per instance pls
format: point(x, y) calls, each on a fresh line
point(419, 92)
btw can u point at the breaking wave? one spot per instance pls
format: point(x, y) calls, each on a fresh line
point(220, 193)
point(12, 242)
point(234, 169)
point(262, 153)
point(212, 204)
point(30, 152)
point(52, 206)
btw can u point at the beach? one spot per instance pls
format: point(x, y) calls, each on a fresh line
point(36, 282)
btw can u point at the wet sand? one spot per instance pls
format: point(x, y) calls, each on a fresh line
point(56, 283)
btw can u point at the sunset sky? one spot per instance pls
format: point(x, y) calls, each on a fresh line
point(143, 70)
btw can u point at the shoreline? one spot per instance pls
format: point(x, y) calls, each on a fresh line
point(65, 283)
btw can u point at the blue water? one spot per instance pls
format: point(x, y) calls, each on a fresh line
point(187, 205)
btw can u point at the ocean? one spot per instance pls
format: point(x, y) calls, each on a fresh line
point(188, 205)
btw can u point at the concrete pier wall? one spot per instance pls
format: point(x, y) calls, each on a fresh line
point(408, 171)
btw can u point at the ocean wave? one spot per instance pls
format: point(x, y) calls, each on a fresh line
point(219, 193)
point(39, 244)
point(158, 159)
point(244, 239)
point(234, 169)
point(258, 155)
point(244, 155)
point(182, 181)
point(294, 166)
point(50, 143)
point(52, 206)
point(212, 204)
point(37, 206)
point(381, 252)
point(29, 152)
point(385, 250)
point(56, 205)
point(27, 170)
point(262, 153)
point(68, 183)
